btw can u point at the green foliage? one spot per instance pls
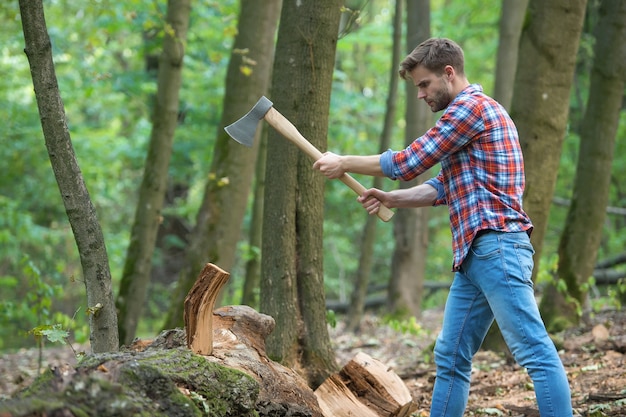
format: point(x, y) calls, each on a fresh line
point(102, 51)
point(54, 333)
point(406, 326)
point(331, 318)
point(28, 309)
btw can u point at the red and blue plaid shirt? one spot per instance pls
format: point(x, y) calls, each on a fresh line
point(482, 168)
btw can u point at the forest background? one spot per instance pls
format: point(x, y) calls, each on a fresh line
point(104, 55)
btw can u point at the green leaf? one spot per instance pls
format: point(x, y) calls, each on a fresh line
point(54, 333)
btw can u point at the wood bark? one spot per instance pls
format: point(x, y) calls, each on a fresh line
point(510, 30)
point(547, 57)
point(410, 227)
point(80, 211)
point(218, 221)
point(292, 287)
point(364, 269)
point(138, 265)
point(239, 342)
point(581, 236)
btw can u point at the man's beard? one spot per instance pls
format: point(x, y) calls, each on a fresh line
point(440, 101)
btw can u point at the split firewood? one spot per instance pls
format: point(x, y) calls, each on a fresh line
point(365, 383)
point(199, 303)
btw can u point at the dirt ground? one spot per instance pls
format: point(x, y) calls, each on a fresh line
point(593, 355)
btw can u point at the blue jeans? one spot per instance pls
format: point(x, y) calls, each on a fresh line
point(494, 281)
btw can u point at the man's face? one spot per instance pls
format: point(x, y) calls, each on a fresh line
point(434, 89)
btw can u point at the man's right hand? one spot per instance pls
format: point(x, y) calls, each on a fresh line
point(330, 165)
point(372, 199)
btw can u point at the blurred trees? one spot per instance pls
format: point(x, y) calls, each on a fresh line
point(410, 229)
point(215, 235)
point(100, 51)
point(566, 299)
point(366, 250)
point(138, 266)
point(510, 29)
point(545, 71)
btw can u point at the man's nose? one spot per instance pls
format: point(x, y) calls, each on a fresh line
point(420, 94)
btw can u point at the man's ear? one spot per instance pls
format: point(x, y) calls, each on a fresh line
point(449, 71)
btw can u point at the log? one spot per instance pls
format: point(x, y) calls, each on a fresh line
point(239, 334)
point(199, 303)
point(336, 399)
point(365, 387)
point(234, 336)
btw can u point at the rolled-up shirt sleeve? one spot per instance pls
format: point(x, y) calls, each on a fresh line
point(436, 183)
point(386, 164)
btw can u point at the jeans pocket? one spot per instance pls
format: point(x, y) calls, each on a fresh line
point(525, 252)
point(485, 248)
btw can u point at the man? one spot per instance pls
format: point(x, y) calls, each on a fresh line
point(482, 182)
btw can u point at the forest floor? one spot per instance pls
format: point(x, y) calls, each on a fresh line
point(594, 356)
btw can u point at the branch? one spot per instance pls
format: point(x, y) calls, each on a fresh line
point(559, 201)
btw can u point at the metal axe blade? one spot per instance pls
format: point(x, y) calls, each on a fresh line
point(244, 129)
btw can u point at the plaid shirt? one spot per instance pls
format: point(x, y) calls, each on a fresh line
point(482, 168)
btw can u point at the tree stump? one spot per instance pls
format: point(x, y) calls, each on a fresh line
point(199, 303)
point(365, 387)
point(239, 343)
point(234, 336)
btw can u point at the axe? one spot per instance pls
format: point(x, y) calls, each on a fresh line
point(244, 129)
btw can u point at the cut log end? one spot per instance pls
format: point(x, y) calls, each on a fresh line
point(365, 387)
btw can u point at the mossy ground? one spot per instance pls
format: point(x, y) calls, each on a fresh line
point(167, 382)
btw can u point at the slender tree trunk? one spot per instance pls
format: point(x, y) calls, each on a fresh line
point(136, 276)
point(408, 266)
point(548, 48)
point(357, 305)
point(253, 264)
point(218, 222)
point(80, 211)
point(292, 287)
point(511, 20)
point(582, 233)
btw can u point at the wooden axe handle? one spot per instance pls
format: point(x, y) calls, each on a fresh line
point(289, 131)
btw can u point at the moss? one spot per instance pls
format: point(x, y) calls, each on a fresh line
point(140, 384)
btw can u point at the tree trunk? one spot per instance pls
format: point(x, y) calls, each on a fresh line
point(511, 20)
point(80, 211)
point(218, 222)
point(545, 71)
point(411, 225)
point(292, 287)
point(136, 276)
point(250, 294)
point(369, 231)
point(582, 233)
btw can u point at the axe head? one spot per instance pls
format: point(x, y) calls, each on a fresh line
point(244, 129)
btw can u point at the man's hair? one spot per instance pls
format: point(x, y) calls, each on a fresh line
point(433, 54)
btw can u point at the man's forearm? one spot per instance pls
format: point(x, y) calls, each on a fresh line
point(423, 195)
point(367, 165)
